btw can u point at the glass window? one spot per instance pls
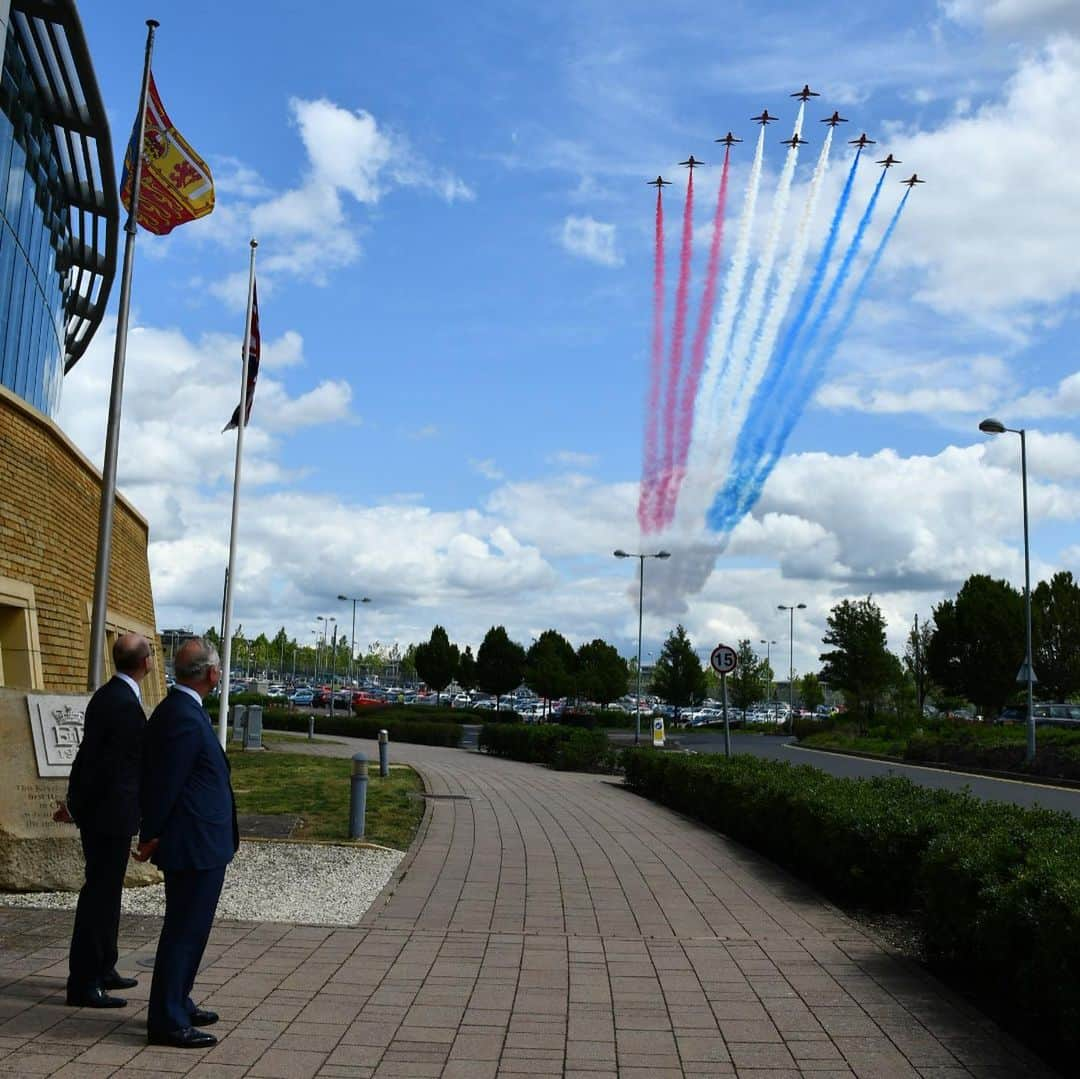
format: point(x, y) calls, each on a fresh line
point(14, 324)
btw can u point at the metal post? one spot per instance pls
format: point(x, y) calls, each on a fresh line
point(310, 727)
point(384, 753)
point(727, 729)
point(791, 674)
point(95, 673)
point(640, 607)
point(1030, 753)
point(358, 796)
point(333, 668)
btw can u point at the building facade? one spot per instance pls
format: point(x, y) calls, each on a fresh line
point(59, 228)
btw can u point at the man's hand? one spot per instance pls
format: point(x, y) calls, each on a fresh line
point(145, 850)
point(63, 814)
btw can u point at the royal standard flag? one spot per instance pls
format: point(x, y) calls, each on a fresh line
point(176, 183)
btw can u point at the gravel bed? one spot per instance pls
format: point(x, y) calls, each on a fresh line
point(271, 882)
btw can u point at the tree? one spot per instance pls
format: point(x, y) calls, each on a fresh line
point(978, 643)
point(746, 684)
point(550, 666)
point(1055, 630)
point(212, 636)
point(466, 671)
point(408, 664)
point(860, 664)
point(916, 649)
point(810, 692)
point(678, 678)
point(602, 672)
point(500, 663)
point(437, 660)
point(278, 647)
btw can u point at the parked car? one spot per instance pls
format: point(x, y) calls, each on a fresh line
point(303, 697)
point(1046, 715)
point(276, 693)
point(365, 699)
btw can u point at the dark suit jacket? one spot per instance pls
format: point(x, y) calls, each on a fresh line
point(187, 799)
point(103, 789)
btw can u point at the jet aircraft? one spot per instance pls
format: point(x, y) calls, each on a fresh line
point(912, 180)
point(794, 141)
point(862, 141)
point(835, 119)
point(889, 161)
point(728, 139)
point(805, 93)
point(659, 182)
point(691, 162)
point(764, 118)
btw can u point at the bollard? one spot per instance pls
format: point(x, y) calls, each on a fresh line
point(358, 796)
point(310, 727)
point(239, 721)
point(384, 753)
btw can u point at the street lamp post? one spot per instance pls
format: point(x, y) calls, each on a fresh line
point(352, 639)
point(996, 427)
point(768, 663)
point(791, 661)
point(641, 601)
point(326, 620)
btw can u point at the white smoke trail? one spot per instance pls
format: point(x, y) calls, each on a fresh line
point(785, 290)
point(697, 485)
point(735, 387)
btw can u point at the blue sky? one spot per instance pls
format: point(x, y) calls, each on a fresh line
point(455, 270)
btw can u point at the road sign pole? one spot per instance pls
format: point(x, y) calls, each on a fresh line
point(727, 729)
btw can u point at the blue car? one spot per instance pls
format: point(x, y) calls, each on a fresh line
point(302, 696)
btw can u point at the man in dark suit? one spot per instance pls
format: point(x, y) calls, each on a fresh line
point(189, 831)
point(103, 800)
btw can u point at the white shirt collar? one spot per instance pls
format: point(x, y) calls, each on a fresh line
point(131, 682)
point(191, 693)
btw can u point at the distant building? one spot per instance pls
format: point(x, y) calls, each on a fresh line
point(59, 229)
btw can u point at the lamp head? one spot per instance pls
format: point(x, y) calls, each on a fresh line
point(800, 606)
point(992, 427)
point(366, 599)
point(344, 599)
point(620, 553)
point(663, 554)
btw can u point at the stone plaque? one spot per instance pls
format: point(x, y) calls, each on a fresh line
point(56, 723)
point(253, 730)
point(239, 721)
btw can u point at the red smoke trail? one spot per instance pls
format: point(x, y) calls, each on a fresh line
point(652, 409)
point(697, 351)
point(678, 338)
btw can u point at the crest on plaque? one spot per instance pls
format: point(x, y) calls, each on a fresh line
point(57, 726)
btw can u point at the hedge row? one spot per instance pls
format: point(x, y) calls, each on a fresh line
point(420, 732)
point(995, 888)
point(569, 749)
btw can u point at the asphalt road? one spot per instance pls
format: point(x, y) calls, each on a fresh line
point(784, 749)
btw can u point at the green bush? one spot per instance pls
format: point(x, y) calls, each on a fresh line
point(346, 726)
point(995, 888)
point(568, 749)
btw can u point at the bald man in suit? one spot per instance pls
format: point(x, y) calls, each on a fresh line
point(103, 800)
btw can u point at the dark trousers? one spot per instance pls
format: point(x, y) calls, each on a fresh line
point(97, 916)
point(191, 897)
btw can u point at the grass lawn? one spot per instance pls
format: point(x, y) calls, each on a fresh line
point(317, 790)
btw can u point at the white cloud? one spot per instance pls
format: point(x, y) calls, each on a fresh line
point(1013, 15)
point(1064, 400)
point(590, 239)
point(486, 468)
point(571, 459)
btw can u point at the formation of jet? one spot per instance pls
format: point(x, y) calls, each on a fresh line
point(691, 163)
point(805, 93)
point(728, 139)
point(835, 119)
point(889, 161)
point(659, 182)
point(912, 180)
point(862, 141)
point(794, 141)
point(764, 118)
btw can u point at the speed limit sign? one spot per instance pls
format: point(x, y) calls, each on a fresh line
point(724, 659)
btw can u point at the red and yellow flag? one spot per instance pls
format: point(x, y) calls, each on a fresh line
point(176, 183)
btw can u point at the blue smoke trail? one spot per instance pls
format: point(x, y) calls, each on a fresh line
point(741, 496)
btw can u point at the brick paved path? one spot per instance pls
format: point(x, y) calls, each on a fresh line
point(546, 924)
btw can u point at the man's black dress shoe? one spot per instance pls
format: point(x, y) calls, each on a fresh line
point(184, 1038)
point(200, 1017)
point(94, 998)
point(112, 980)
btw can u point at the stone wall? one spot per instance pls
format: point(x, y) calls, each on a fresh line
point(49, 505)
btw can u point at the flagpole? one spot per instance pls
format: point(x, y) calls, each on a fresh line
point(95, 673)
point(230, 573)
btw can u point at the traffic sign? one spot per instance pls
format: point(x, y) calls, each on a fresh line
point(724, 659)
